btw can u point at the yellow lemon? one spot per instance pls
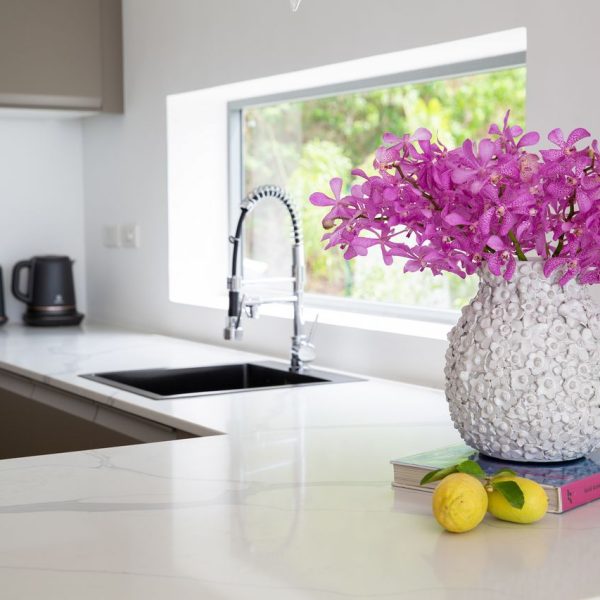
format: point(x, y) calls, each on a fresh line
point(459, 502)
point(535, 507)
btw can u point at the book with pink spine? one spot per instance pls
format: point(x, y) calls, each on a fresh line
point(567, 484)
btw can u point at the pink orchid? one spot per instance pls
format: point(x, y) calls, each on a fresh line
point(485, 204)
point(502, 259)
point(474, 166)
point(566, 149)
point(341, 208)
point(389, 154)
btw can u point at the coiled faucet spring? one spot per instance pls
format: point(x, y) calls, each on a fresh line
point(302, 350)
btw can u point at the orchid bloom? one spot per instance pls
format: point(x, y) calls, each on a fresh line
point(485, 204)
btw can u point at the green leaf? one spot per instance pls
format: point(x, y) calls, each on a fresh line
point(503, 473)
point(511, 491)
point(439, 474)
point(470, 467)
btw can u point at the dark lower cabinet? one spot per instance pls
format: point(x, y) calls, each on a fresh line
point(29, 427)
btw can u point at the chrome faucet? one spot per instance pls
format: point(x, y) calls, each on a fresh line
point(302, 351)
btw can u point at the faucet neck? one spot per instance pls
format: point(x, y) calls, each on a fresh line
point(235, 281)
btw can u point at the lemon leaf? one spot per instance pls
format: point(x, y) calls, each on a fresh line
point(470, 467)
point(439, 474)
point(503, 473)
point(511, 492)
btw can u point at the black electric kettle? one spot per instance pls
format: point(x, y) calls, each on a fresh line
point(50, 292)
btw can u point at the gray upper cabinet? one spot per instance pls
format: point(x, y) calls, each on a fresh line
point(61, 54)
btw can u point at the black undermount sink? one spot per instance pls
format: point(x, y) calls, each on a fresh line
point(166, 384)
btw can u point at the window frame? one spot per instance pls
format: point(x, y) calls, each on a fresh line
point(235, 161)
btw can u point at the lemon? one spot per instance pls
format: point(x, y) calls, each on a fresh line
point(535, 507)
point(459, 502)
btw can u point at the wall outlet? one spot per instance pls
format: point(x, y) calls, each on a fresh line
point(110, 236)
point(130, 236)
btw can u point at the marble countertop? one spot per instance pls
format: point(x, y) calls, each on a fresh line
point(293, 501)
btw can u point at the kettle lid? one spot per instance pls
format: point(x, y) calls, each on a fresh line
point(51, 258)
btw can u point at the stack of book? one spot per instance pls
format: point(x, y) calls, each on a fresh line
point(568, 484)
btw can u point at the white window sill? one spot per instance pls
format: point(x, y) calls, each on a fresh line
point(411, 327)
point(384, 323)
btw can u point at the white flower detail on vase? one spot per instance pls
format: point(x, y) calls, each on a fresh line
point(503, 398)
point(523, 386)
point(521, 379)
point(588, 340)
point(498, 312)
point(505, 329)
point(572, 386)
point(501, 295)
point(552, 347)
point(587, 390)
point(480, 386)
point(538, 334)
point(548, 385)
point(577, 354)
point(537, 363)
point(558, 329)
point(572, 309)
point(514, 311)
point(517, 360)
point(595, 327)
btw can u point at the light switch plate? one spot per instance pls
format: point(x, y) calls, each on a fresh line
point(130, 236)
point(110, 236)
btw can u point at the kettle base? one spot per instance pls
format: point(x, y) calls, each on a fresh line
point(52, 320)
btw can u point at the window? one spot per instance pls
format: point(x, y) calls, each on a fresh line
point(300, 143)
point(206, 125)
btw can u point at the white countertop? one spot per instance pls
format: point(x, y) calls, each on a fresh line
point(293, 502)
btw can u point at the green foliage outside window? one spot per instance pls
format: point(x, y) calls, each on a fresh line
point(300, 145)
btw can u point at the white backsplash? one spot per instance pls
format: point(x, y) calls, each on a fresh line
point(41, 197)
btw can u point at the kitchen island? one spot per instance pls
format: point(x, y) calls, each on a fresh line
point(285, 495)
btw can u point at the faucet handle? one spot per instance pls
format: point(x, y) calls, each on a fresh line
point(251, 308)
point(252, 311)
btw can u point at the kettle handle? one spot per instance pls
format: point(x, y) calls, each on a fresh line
point(16, 278)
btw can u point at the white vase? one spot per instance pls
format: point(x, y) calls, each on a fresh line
point(523, 367)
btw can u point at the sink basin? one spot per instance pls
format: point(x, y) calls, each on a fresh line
point(167, 384)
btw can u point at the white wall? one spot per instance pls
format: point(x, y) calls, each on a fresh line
point(180, 45)
point(41, 197)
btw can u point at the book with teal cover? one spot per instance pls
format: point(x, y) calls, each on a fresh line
point(568, 484)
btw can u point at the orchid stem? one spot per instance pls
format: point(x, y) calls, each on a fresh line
point(518, 249)
point(559, 246)
point(561, 239)
point(416, 186)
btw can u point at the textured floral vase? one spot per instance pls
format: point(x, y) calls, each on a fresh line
point(523, 368)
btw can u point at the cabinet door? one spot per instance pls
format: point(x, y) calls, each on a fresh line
point(50, 53)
